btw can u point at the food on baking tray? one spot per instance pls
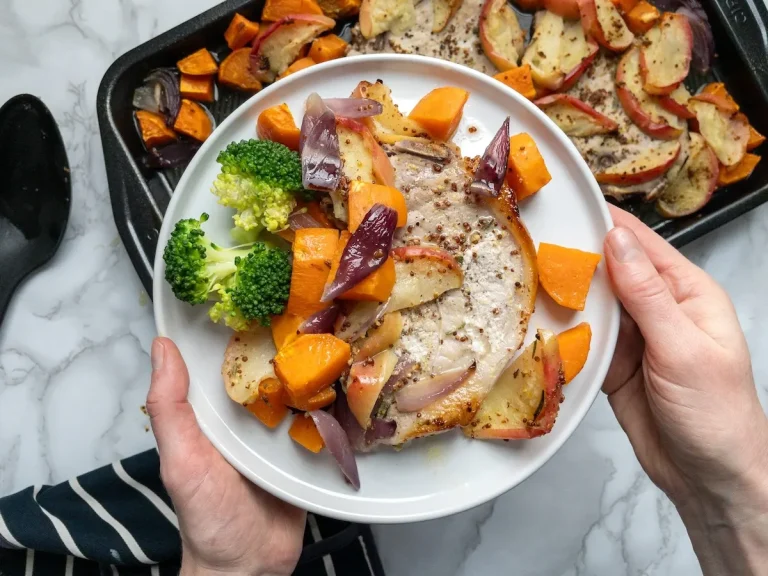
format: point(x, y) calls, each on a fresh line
point(393, 318)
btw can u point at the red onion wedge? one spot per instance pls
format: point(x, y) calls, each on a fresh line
point(360, 439)
point(336, 440)
point(492, 169)
point(417, 395)
point(162, 86)
point(402, 369)
point(356, 321)
point(319, 146)
point(379, 429)
point(321, 322)
point(171, 155)
point(354, 107)
point(703, 40)
point(299, 220)
point(368, 248)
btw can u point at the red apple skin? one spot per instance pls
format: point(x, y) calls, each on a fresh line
point(705, 160)
point(413, 252)
point(382, 167)
point(651, 173)
point(569, 100)
point(591, 25)
point(258, 44)
point(685, 28)
point(634, 110)
point(671, 105)
point(573, 76)
point(487, 43)
point(366, 379)
point(566, 8)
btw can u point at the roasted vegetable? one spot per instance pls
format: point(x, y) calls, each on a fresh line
point(258, 178)
point(240, 32)
point(440, 111)
point(566, 273)
point(304, 432)
point(519, 79)
point(201, 63)
point(154, 132)
point(574, 349)
point(197, 87)
point(329, 47)
point(526, 171)
point(310, 364)
point(235, 71)
point(313, 251)
point(193, 121)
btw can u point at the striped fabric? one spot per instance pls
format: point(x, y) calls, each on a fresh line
point(119, 520)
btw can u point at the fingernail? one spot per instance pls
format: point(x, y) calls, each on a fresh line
point(624, 245)
point(158, 355)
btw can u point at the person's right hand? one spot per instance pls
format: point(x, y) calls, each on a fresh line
point(681, 384)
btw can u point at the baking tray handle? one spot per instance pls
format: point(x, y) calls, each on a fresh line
point(745, 21)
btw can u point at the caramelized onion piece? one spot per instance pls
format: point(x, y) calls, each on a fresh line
point(337, 442)
point(319, 147)
point(492, 169)
point(354, 107)
point(417, 395)
point(321, 322)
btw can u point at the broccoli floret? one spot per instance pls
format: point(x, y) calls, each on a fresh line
point(258, 290)
point(195, 267)
point(259, 179)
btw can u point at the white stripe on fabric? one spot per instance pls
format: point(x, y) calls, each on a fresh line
point(162, 507)
point(6, 534)
point(155, 570)
point(30, 565)
point(314, 529)
point(102, 513)
point(114, 570)
point(61, 529)
point(69, 569)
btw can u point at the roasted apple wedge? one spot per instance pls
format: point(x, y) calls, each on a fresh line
point(247, 363)
point(694, 185)
point(501, 37)
point(574, 117)
point(529, 5)
point(543, 53)
point(391, 125)
point(665, 55)
point(366, 379)
point(676, 102)
point(362, 157)
point(642, 108)
point(602, 20)
point(377, 16)
point(442, 12)
point(726, 134)
point(280, 44)
point(525, 400)
point(566, 8)
point(577, 51)
point(641, 165)
point(380, 337)
point(423, 274)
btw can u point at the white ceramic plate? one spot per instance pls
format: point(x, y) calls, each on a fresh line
point(436, 476)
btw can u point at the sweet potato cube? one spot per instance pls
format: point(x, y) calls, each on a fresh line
point(755, 139)
point(274, 10)
point(526, 171)
point(304, 432)
point(340, 8)
point(269, 406)
point(240, 32)
point(329, 47)
point(311, 363)
point(574, 349)
point(741, 171)
point(285, 329)
point(193, 121)
point(642, 17)
point(322, 399)
point(313, 252)
point(200, 63)
point(299, 64)
point(363, 196)
point(235, 71)
point(277, 124)
point(197, 87)
point(439, 112)
point(154, 131)
point(519, 79)
point(566, 273)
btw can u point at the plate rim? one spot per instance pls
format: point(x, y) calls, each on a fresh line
point(447, 507)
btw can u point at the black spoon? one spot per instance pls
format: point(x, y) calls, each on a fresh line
point(35, 191)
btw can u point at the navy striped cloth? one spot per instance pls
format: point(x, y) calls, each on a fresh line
point(119, 520)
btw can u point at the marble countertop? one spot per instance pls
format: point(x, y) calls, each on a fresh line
point(74, 366)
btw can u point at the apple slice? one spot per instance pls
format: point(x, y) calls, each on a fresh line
point(574, 117)
point(577, 51)
point(247, 363)
point(380, 337)
point(565, 8)
point(356, 160)
point(603, 21)
point(377, 16)
point(281, 43)
point(677, 102)
point(543, 53)
point(501, 37)
point(525, 400)
point(442, 12)
point(665, 55)
point(694, 185)
point(727, 135)
point(366, 379)
point(642, 108)
point(423, 274)
point(641, 165)
point(529, 5)
point(391, 125)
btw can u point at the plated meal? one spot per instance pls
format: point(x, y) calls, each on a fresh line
point(382, 282)
point(610, 73)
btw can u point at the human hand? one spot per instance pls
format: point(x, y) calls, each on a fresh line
point(227, 525)
point(681, 386)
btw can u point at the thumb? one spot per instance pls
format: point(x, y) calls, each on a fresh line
point(173, 420)
point(641, 289)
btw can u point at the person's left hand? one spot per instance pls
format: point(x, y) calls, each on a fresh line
point(228, 525)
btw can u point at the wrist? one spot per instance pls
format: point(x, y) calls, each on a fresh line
point(191, 566)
